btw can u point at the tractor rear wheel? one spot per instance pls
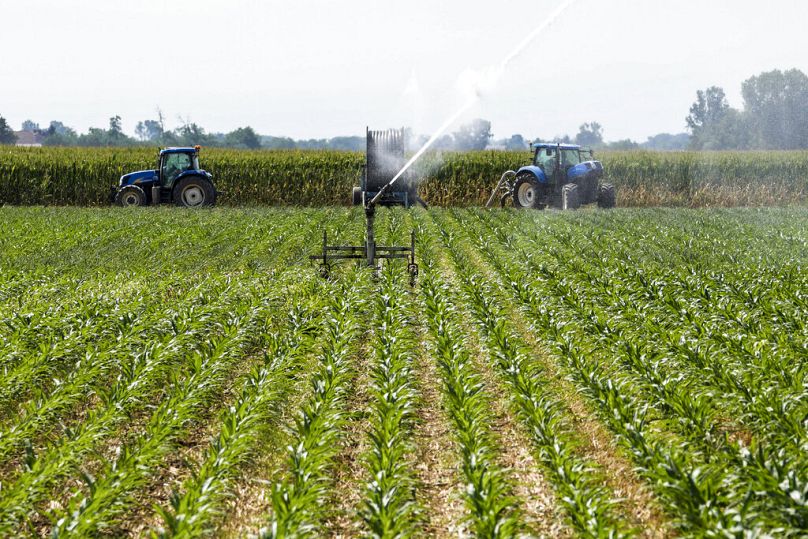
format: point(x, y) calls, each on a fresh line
point(569, 197)
point(527, 192)
point(606, 196)
point(194, 192)
point(130, 195)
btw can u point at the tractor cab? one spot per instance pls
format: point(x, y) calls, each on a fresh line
point(557, 161)
point(172, 162)
point(178, 179)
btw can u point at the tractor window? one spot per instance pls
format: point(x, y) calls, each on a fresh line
point(570, 158)
point(545, 158)
point(173, 165)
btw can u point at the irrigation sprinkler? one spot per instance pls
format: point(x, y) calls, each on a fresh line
point(384, 156)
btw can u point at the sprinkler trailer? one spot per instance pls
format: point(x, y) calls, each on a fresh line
point(384, 158)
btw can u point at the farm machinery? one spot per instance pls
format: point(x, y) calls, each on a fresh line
point(384, 158)
point(563, 176)
point(177, 179)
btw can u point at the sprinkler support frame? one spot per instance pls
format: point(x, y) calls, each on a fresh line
point(370, 252)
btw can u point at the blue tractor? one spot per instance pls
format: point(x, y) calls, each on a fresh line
point(564, 176)
point(177, 180)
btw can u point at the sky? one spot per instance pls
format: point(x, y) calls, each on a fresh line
point(325, 68)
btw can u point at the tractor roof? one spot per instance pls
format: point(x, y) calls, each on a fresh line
point(178, 150)
point(555, 145)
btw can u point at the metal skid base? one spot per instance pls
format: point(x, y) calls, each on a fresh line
point(369, 252)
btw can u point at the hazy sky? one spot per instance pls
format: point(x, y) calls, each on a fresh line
point(321, 68)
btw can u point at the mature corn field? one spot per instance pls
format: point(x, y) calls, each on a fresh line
point(82, 176)
point(594, 374)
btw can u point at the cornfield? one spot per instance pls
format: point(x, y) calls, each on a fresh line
point(623, 373)
point(76, 176)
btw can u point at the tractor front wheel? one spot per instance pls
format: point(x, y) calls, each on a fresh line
point(194, 192)
point(606, 196)
point(130, 195)
point(527, 192)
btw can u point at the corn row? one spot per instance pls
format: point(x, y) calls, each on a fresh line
point(589, 506)
point(488, 493)
point(201, 499)
point(298, 501)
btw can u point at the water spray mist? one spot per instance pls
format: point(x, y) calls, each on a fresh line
point(484, 84)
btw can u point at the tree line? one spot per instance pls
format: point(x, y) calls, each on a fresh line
point(774, 116)
point(147, 132)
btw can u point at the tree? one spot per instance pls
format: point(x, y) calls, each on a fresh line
point(776, 103)
point(149, 130)
point(190, 134)
point(58, 128)
point(115, 124)
point(29, 125)
point(667, 141)
point(113, 136)
point(7, 135)
point(711, 105)
point(278, 143)
point(731, 132)
point(58, 134)
point(444, 142)
point(95, 136)
point(516, 142)
point(243, 137)
point(590, 134)
point(350, 144)
point(161, 120)
point(473, 135)
point(622, 145)
point(706, 114)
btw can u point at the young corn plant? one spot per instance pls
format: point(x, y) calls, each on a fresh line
point(691, 487)
point(141, 379)
point(92, 367)
point(684, 399)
